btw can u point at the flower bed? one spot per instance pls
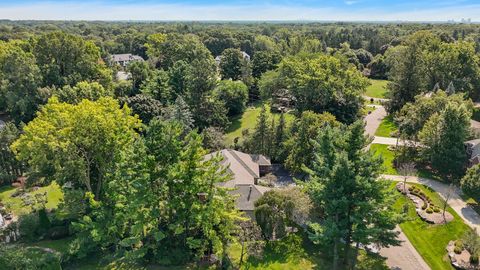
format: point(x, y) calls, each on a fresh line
point(460, 257)
point(425, 209)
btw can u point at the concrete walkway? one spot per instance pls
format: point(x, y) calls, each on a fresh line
point(459, 205)
point(405, 256)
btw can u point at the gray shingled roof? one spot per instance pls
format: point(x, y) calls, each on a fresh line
point(125, 57)
point(244, 169)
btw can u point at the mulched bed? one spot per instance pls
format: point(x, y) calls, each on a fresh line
point(423, 206)
point(462, 260)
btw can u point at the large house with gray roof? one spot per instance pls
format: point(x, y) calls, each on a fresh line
point(246, 170)
point(124, 59)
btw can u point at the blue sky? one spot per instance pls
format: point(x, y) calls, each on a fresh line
point(340, 10)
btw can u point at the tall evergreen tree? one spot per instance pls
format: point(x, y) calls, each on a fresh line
point(356, 206)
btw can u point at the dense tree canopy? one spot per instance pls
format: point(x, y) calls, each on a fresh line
point(66, 59)
point(77, 143)
point(323, 83)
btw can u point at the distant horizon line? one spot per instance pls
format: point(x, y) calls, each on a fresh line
point(252, 21)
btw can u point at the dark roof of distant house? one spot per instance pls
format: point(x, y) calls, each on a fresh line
point(126, 57)
point(475, 146)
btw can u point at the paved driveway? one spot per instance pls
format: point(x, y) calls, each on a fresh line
point(405, 256)
point(373, 120)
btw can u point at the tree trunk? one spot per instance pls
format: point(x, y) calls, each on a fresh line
point(335, 254)
point(355, 255)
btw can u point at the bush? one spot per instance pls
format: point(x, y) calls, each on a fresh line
point(474, 259)
point(28, 226)
point(424, 206)
point(13, 257)
point(457, 250)
point(436, 210)
point(429, 211)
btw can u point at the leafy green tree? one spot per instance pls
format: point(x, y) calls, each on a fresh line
point(443, 136)
point(77, 143)
point(66, 59)
point(10, 167)
point(424, 62)
point(19, 81)
point(406, 71)
point(264, 61)
point(378, 68)
point(324, 83)
point(355, 205)
point(232, 64)
point(157, 87)
point(470, 182)
point(177, 75)
point(163, 202)
point(413, 116)
point(213, 139)
point(277, 209)
point(165, 50)
point(234, 94)
point(145, 107)
point(211, 112)
point(82, 90)
point(140, 72)
point(299, 146)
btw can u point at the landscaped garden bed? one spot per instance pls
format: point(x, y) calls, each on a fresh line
point(425, 208)
point(464, 252)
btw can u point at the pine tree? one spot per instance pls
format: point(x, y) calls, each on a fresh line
point(344, 185)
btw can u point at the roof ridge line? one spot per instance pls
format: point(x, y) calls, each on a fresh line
point(244, 165)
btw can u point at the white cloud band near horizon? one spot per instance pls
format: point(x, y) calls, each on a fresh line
point(262, 12)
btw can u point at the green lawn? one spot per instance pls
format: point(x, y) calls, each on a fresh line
point(247, 121)
point(16, 205)
point(387, 127)
point(388, 157)
point(377, 89)
point(297, 252)
point(430, 240)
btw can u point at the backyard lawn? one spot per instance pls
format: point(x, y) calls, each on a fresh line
point(388, 157)
point(430, 240)
point(297, 252)
point(387, 127)
point(248, 121)
point(377, 89)
point(16, 204)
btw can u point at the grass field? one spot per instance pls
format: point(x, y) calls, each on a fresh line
point(387, 127)
point(377, 89)
point(430, 240)
point(16, 204)
point(297, 252)
point(248, 120)
point(388, 157)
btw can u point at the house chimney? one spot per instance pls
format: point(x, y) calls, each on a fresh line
point(249, 192)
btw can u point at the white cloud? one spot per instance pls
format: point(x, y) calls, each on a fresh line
point(99, 11)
